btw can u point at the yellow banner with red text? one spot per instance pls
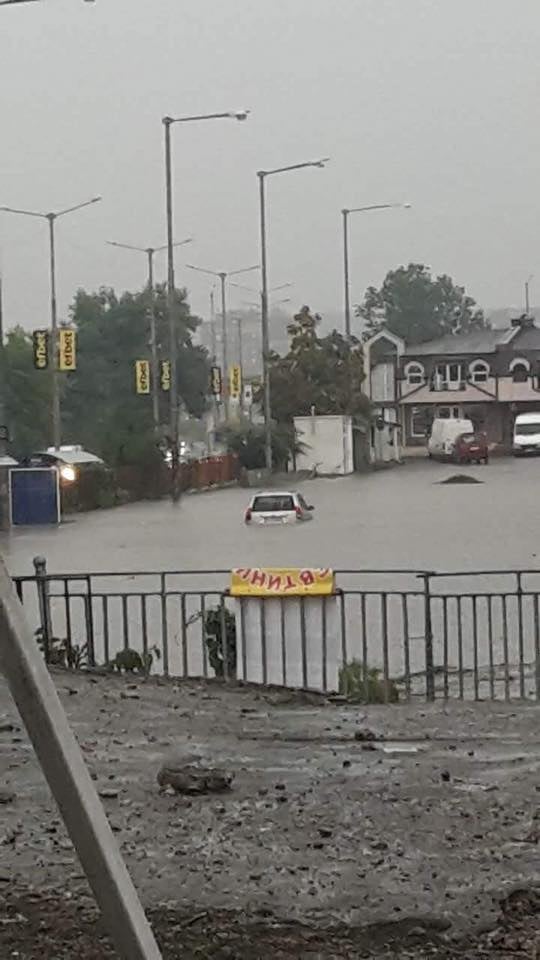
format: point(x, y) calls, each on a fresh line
point(282, 582)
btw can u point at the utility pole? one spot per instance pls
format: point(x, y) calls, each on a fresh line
point(153, 341)
point(53, 347)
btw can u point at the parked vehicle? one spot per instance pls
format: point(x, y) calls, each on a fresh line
point(444, 433)
point(471, 448)
point(278, 507)
point(526, 434)
point(68, 460)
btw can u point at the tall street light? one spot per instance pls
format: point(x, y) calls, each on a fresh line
point(150, 253)
point(345, 214)
point(52, 218)
point(167, 124)
point(262, 175)
point(223, 276)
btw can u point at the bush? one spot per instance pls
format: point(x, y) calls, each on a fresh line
point(214, 637)
point(363, 684)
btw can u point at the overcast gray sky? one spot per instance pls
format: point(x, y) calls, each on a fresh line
point(432, 101)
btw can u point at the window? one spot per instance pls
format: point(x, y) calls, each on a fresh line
point(448, 413)
point(519, 368)
point(447, 376)
point(479, 371)
point(414, 373)
point(276, 503)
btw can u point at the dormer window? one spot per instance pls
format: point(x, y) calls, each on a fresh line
point(479, 371)
point(414, 372)
point(520, 369)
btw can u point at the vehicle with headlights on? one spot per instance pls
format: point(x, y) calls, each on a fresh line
point(70, 461)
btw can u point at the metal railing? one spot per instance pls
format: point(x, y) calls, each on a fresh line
point(460, 634)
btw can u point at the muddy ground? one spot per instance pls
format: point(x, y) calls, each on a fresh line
point(328, 845)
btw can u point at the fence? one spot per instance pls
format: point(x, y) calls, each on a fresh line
point(471, 635)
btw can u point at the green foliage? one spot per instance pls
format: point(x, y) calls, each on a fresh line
point(247, 441)
point(363, 684)
point(61, 653)
point(325, 373)
point(101, 409)
point(220, 640)
point(27, 395)
point(417, 307)
point(131, 661)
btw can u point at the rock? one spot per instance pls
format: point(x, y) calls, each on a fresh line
point(108, 793)
point(7, 796)
point(364, 735)
point(189, 778)
point(129, 695)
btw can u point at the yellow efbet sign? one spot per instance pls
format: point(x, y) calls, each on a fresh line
point(67, 350)
point(142, 376)
point(165, 379)
point(235, 381)
point(40, 349)
point(282, 582)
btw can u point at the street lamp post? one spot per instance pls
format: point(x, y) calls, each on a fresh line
point(173, 393)
point(52, 218)
point(223, 276)
point(346, 281)
point(262, 175)
point(150, 253)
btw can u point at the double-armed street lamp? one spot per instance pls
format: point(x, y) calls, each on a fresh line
point(52, 218)
point(262, 176)
point(173, 393)
point(345, 213)
point(223, 276)
point(150, 253)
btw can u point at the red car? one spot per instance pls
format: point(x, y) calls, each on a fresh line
point(471, 448)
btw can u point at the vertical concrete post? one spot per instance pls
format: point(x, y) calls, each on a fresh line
point(62, 763)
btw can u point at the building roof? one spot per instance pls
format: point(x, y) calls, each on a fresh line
point(477, 341)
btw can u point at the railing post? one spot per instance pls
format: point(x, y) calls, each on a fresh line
point(428, 637)
point(44, 603)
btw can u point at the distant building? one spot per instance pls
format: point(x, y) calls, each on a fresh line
point(487, 376)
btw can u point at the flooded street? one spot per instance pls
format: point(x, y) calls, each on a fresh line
point(399, 518)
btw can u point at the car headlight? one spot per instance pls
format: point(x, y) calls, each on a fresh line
point(69, 474)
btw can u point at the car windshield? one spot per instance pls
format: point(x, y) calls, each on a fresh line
point(275, 503)
point(527, 429)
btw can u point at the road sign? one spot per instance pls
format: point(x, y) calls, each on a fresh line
point(67, 350)
point(235, 381)
point(142, 376)
point(215, 381)
point(165, 375)
point(40, 349)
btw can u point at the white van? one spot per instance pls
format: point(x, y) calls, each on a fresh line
point(526, 433)
point(444, 433)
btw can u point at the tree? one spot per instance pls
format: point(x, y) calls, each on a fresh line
point(27, 395)
point(100, 407)
point(324, 373)
point(417, 307)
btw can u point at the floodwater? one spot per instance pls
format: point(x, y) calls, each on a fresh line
point(398, 519)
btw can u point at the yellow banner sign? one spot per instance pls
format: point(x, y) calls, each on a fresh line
point(282, 582)
point(142, 376)
point(165, 378)
point(40, 349)
point(235, 381)
point(67, 350)
point(215, 381)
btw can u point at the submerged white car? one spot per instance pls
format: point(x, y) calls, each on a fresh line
point(278, 507)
